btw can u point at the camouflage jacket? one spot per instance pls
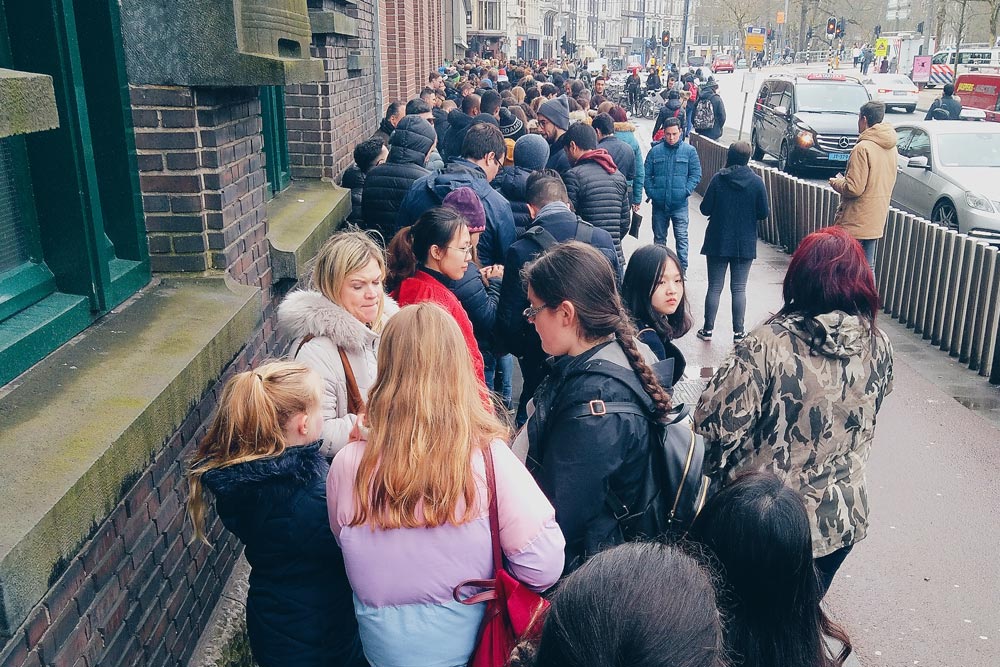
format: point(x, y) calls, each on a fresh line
point(799, 397)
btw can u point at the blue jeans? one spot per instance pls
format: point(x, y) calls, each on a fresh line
point(739, 270)
point(868, 245)
point(662, 217)
point(499, 375)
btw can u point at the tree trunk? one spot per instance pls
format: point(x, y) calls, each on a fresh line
point(803, 29)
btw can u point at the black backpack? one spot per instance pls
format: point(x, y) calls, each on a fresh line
point(544, 239)
point(680, 488)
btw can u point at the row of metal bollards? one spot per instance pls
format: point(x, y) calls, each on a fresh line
point(942, 284)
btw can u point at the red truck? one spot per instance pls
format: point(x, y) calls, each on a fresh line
point(980, 91)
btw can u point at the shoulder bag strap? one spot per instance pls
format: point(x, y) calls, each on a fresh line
point(355, 404)
point(541, 237)
point(305, 339)
point(489, 584)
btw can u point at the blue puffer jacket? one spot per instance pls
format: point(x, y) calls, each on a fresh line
point(479, 302)
point(626, 132)
point(430, 191)
point(512, 183)
point(672, 173)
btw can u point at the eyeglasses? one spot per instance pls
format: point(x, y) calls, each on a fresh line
point(467, 250)
point(531, 312)
point(498, 159)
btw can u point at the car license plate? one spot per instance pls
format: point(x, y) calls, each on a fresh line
point(841, 157)
point(899, 92)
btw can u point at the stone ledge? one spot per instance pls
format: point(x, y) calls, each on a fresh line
point(300, 220)
point(325, 21)
point(27, 103)
point(83, 423)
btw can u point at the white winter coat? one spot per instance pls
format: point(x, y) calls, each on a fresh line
point(309, 312)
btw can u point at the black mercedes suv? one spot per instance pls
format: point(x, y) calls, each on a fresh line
point(808, 120)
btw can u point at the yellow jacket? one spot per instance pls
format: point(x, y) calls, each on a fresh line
point(866, 187)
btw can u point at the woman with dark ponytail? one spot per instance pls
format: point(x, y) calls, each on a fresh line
point(424, 258)
point(589, 426)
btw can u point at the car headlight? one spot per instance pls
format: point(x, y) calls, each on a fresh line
point(805, 138)
point(979, 203)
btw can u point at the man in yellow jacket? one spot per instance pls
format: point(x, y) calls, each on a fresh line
point(866, 188)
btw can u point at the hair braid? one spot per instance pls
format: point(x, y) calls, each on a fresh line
point(625, 335)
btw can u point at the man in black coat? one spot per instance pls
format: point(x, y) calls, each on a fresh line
point(548, 204)
point(368, 154)
point(597, 190)
point(393, 114)
point(553, 120)
point(708, 94)
point(387, 184)
point(947, 102)
point(459, 122)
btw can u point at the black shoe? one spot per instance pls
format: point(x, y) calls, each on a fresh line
point(739, 335)
point(704, 334)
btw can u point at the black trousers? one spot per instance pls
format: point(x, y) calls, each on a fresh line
point(827, 566)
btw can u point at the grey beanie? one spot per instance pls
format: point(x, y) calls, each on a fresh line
point(557, 111)
point(531, 152)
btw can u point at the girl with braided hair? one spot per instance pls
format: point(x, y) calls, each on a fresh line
point(589, 430)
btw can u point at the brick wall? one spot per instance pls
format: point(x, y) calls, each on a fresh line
point(140, 591)
point(326, 119)
point(201, 173)
point(413, 46)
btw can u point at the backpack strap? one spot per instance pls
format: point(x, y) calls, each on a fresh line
point(541, 237)
point(584, 231)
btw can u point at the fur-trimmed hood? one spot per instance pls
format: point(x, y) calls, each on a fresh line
point(296, 467)
point(309, 312)
point(624, 127)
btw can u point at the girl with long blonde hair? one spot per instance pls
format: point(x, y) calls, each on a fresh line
point(410, 506)
point(261, 461)
point(334, 328)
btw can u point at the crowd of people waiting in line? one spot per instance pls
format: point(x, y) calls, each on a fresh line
point(359, 472)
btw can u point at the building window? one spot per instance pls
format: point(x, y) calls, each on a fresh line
point(489, 15)
point(72, 230)
point(272, 111)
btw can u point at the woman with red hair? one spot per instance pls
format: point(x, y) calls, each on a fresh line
point(800, 394)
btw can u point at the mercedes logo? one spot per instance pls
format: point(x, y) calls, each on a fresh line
point(845, 142)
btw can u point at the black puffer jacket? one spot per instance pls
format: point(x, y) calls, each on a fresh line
point(576, 460)
point(512, 183)
point(479, 302)
point(387, 184)
point(458, 125)
point(300, 609)
point(354, 179)
point(599, 193)
point(441, 126)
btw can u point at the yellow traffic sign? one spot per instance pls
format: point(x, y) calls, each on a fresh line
point(755, 42)
point(881, 47)
point(781, 17)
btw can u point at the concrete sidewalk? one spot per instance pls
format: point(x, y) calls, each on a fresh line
point(923, 588)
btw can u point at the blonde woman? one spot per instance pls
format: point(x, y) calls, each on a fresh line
point(335, 327)
point(409, 507)
point(261, 461)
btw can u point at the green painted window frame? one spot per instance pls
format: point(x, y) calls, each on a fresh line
point(275, 131)
point(78, 185)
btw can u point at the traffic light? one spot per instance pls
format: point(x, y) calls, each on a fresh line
point(809, 33)
point(920, 27)
point(831, 27)
point(665, 39)
point(564, 45)
point(840, 28)
point(878, 29)
point(770, 35)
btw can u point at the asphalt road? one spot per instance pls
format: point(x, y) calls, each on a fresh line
point(924, 587)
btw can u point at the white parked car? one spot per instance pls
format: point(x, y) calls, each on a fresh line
point(895, 90)
point(949, 172)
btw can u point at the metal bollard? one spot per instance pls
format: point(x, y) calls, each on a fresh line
point(986, 300)
point(968, 321)
point(961, 276)
point(949, 251)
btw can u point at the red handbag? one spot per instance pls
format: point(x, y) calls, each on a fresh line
point(512, 609)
